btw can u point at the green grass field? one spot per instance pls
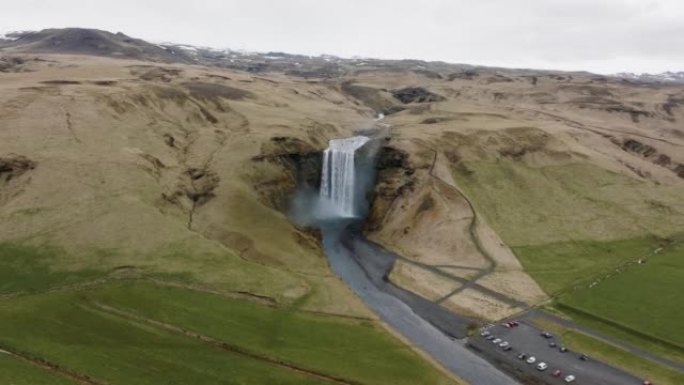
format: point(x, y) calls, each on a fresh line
point(31, 269)
point(561, 265)
point(69, 329)
point(14, 371)
point(645, 297)
point(569, 202)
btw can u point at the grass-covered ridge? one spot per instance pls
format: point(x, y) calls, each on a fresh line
point(114, 334)
point(535, 205)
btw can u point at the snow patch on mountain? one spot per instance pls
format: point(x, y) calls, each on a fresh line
point(664, 77)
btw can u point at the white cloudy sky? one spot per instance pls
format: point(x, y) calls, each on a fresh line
point(603, 36)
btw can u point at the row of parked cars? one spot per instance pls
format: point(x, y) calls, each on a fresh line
point(541, 366)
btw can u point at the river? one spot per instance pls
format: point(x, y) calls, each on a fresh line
point(451, 353)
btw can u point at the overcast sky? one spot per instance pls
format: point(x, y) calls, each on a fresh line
point(604, 36)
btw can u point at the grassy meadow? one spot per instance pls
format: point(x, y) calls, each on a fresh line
point(645, 297)
point(14, 371)
point(570, 202)
point(113, 334)
point(559, 266)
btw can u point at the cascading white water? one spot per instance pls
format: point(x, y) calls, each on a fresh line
point(338, 189)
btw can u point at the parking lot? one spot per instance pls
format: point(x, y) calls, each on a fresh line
point(527, 339)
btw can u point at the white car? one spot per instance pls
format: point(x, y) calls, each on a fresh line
point(542, 366)
point(569, 378)
point(496, 341)
point(503, 344)
point(531, 360)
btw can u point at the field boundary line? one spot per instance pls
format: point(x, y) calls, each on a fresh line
point(618, 325)
point(218, 343)
point(82, 379)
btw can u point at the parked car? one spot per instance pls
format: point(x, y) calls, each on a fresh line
point(531, 360)
point(522, 356)
point(552, 344)
point(542, 366)
point(496, 341)
point(515, 323)
point(503, 344)
point(546, 334)
point(490, 337)
point(507, 348)
point(583, 357)
point(563, 349)
point(647, 382)
point(556, 373)
point(569, 378)
point(507, 325)
point(485, 333)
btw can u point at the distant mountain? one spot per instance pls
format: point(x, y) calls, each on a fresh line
point(89, 42)
point(676, 77)
point(118, 45)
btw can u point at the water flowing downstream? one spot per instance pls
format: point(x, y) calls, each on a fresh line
point(363, 266)
point(338, 177)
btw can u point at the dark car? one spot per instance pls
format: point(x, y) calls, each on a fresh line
point(522, 356)
point(552, 344)
point(546, 334)
point(490, 337)
point(563, 349)
point(507, 348)
point(583, 357)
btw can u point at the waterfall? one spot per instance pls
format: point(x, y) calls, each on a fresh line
point(338, 188)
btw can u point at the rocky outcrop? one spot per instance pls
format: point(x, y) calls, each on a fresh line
point(416, 95)
point(376, 99)
point(634, 146)
point(12, 176)
point(394, 178)
point(14, 166)
point(465, 75)
point(652, 154)
point(672, 103)
point(299, 164)
point(634, 113)
point(13, 64)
